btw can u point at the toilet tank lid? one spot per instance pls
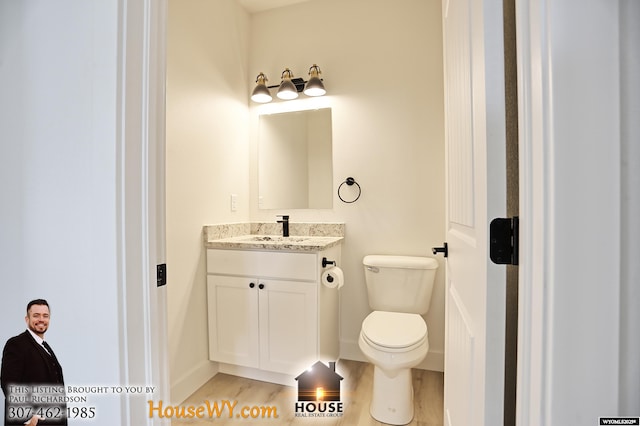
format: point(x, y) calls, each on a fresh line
point(404, 262)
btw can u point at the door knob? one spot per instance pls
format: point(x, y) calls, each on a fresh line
point(261, 286)
point(444, 250)
point(252, 285)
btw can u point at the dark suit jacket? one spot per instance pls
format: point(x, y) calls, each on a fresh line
point(27, 363)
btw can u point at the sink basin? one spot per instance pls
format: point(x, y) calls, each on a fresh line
point(275, 239)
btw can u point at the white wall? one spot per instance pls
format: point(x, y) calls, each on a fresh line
point(58, 81)
point(207, 160)
point(382, 67)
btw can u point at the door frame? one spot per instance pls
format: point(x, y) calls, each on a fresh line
point(563, 344)
point(140, 201)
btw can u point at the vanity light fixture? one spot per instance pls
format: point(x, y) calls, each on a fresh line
point(261, 93)
point(290, 86)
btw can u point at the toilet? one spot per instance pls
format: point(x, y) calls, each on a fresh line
point(394, 336)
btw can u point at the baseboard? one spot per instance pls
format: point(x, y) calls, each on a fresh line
point(350, 350)
point(192, 381)
point(433, 362)
point(256, 374)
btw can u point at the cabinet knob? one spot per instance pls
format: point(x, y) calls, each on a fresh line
point(252, 285)
point(261, 286)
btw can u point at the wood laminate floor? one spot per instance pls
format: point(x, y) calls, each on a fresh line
point(355, 395)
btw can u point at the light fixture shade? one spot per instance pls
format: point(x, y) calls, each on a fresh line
point(314, 86)
point(261, 93)
point(287, 89)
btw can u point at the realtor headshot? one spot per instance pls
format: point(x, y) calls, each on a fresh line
point(31, 375)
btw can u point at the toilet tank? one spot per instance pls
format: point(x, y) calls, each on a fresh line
point(400, 283)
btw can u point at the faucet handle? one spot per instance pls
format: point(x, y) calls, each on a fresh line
point(285, 224)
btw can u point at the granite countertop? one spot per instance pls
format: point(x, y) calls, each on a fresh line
point(274, 242)
point(305, 237)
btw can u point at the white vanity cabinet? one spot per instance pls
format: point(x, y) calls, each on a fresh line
point(262, 323)
point(269, 316)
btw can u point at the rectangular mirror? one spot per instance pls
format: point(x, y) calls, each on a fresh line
point(295, 169)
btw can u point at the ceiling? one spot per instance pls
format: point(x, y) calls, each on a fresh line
point(253, 6)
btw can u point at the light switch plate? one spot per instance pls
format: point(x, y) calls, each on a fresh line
point(234, 202)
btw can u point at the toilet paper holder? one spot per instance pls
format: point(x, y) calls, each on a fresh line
point(326, 262)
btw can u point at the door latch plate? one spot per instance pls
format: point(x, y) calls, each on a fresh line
point(161, 274)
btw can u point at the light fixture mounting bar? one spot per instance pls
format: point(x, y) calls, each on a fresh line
point(297, 81)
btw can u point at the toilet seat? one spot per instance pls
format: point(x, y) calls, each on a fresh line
point(394, 331)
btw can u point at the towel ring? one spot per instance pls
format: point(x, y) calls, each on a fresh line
point(349, 181)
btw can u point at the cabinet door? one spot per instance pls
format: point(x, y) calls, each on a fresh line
point(288, 326)
point(233, 320)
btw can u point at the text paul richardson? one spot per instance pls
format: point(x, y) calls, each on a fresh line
point(40, 394)
point(216, 409)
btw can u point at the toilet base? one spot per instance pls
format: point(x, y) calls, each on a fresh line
point(392, 400)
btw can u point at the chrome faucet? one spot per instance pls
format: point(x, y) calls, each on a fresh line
point(285, 225)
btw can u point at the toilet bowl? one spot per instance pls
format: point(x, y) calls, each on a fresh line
point(394, 343)
point(394, 337)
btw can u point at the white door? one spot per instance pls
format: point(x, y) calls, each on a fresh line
point(475, 138)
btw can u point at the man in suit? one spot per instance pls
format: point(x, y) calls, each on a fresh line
point(31, 375)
